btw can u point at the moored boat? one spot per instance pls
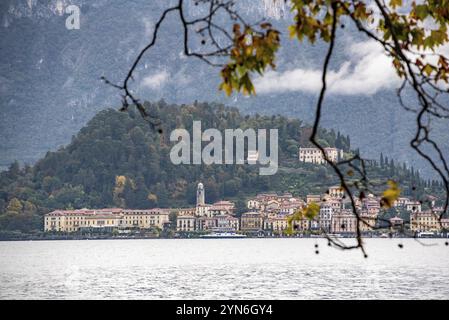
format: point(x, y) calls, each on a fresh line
point(222, 235)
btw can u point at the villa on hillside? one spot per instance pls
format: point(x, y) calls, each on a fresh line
point(314, 155)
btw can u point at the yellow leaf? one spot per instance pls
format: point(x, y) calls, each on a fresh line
point(390, 195)
point(395, 3)
point(428, 69)
point(312, 210)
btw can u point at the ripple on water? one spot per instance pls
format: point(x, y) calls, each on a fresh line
point(221, 269)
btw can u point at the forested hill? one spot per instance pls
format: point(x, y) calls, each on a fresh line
point(118, 160)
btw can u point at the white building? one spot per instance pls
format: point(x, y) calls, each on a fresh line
point(326, 212)
point(343, 222)
point(185, 223)
point(314, 155)
point(413, 206)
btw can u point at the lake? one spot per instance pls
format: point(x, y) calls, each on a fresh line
point(223, 269)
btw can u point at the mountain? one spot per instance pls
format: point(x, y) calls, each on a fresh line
point(118, 160)
point(50, 78)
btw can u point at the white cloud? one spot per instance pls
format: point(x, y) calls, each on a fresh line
point(156, 80)
point(367, 71)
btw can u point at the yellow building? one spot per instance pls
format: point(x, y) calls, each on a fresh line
point(145, 219)
point(276, 224)
point(251, 221)
point(75, 220)
point(426, 221)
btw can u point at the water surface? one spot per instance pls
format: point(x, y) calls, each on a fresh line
point(222, 269)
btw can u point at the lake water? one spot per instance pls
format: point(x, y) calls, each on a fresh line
point(222, 269)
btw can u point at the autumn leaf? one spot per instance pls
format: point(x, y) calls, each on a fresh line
point(395, 3)
point(311, 211)
point(390, 195)
point(252, 51)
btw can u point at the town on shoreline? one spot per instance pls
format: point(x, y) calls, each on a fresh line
point(268, 215)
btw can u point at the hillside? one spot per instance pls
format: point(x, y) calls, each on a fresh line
point(118, 160)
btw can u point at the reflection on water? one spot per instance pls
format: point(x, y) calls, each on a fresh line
point(222, 269)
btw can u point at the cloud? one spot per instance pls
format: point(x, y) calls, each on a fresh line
point(367, 71)
point(156, 80)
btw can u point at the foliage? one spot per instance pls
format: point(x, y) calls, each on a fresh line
point(253, 51)
point(391, 194)
point(313, 20)
point(309, 212)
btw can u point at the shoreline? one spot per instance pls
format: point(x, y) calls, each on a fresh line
point(200, 238)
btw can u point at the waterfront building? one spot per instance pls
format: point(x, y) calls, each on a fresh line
point(426, 221)
point(325, 216)
point(367, 221)
point(251, 222)
point(226, 223)
point(277, 224)
point(104, 219)
point(301, 225)
point(144, 219)
point(344, 222)
point(185, 223)
point(314, 224)
point(205, 223)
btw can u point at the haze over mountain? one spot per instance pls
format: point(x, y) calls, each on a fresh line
point(50, 77)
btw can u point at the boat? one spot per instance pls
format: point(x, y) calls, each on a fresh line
point(426, 235)
point(223, 235)
point(335, 235)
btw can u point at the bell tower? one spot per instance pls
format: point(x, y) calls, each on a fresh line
point(200, 198)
